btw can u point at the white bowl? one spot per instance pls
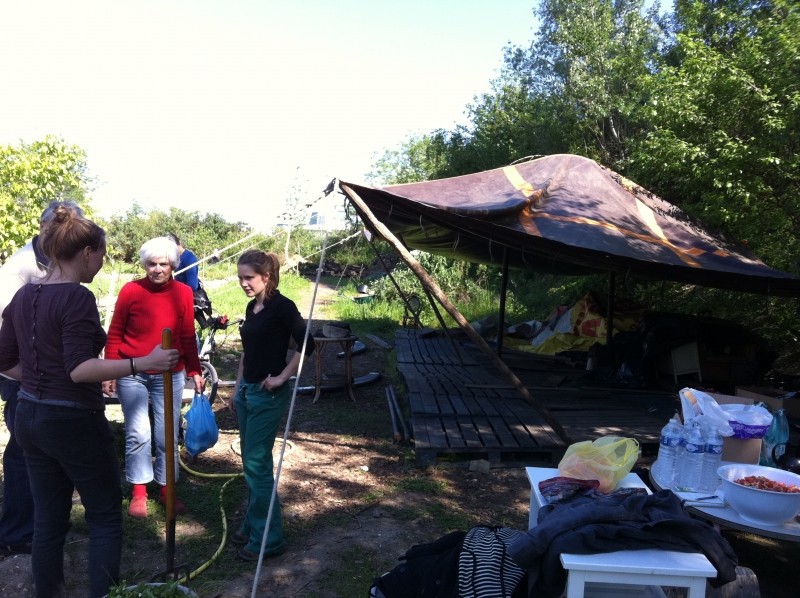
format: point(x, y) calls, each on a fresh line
point(763, 507)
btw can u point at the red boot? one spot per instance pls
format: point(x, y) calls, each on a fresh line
point(178, 505)
point(138, 506)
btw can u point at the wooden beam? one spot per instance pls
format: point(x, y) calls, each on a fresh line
point(451, 309)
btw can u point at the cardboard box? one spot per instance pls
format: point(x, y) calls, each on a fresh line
point(738, 450)
point(771, 397)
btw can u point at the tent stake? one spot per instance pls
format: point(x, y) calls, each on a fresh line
point(437, 292)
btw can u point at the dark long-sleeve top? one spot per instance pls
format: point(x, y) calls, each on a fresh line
point(50, 330)
point(265, 337)
point(588, 525)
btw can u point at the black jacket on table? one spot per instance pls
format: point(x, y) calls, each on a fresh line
point(596, 524)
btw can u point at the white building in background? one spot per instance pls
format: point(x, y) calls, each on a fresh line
point(326, 214)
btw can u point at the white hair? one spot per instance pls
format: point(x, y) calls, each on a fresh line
point(158, 248)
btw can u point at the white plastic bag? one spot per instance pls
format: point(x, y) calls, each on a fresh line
point(748, 421)
point(700, 406)
point(739, 420)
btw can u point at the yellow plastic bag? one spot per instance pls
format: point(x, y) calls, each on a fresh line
point(607, 459)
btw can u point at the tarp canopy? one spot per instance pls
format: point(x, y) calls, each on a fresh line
point(566, 214)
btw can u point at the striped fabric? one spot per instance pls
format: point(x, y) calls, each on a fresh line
point(485, 569)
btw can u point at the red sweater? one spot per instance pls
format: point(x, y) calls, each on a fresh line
point(142, 311)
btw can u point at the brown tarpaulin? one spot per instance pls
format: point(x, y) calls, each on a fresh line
point(566, 214)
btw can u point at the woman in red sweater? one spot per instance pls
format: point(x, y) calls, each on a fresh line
point(144, 308)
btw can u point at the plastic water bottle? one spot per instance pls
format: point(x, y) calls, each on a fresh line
point(666, 462)
point(711, 460)
point(691, 468)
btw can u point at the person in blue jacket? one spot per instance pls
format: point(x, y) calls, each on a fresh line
point(187, 270)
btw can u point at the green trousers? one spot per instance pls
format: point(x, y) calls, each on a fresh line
point(260, 413)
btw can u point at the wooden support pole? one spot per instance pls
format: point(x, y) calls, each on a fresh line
point(451, 309)
point(169, 449)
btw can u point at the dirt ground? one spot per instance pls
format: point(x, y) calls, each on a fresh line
point(328, 468)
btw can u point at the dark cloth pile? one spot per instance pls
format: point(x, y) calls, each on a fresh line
point(595, 523)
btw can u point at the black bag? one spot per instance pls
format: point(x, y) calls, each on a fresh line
point(477, 560)
point(429, 570)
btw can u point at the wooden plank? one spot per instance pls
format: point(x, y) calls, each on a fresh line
point(506, 436)
point(488, 438)
point(444, 405)
point(422, 439)
point(459, 405)
point(435, 433)
point(469, 433)
point(379, 341)
point(453, 433)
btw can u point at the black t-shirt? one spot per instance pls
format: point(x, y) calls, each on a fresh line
point(265, 337)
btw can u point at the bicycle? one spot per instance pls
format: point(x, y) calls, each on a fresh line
point(208, 325)
point(208, 349)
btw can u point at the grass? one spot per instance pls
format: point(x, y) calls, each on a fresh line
point(354, 571)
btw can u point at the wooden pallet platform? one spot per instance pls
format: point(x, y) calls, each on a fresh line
point(463, 407)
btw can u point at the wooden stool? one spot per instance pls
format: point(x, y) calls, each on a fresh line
point(638, 572)
point(413, 306)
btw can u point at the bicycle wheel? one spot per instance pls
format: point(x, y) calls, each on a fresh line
point(211, 379)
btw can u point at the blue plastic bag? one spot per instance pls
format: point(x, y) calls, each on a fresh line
point(201, 426)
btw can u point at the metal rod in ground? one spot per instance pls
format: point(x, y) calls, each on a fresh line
point(395, 429)
point(396, 405)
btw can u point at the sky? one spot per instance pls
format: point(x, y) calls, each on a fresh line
point(230, 106)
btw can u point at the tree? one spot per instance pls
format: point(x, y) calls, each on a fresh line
point(723, 118)
point(589, 61)
point(577, 88)
point(31, 176)
point(202, 233)
point(419, 158)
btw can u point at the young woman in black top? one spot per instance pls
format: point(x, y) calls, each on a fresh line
point(263, 393)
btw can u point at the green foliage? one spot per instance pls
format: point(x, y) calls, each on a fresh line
point(591, 59)
point(31, 176)
point(473, 289)
point(724, 124)
point(202, 233)
point(577, 88)
point(171, 589)
point(418, 159)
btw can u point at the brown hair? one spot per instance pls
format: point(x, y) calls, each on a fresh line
point(263, 263)
point(67, 233)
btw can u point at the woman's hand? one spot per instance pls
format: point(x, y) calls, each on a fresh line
point(199, 383)
point(271, 383)
point(159, 360)
point(110, 387)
